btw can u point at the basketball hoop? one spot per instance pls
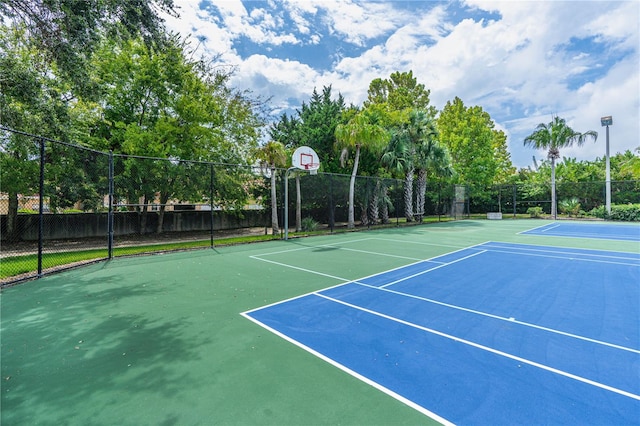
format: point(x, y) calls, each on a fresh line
point(305, 158)
point(312, 168)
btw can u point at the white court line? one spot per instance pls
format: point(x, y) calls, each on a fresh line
point(509, 320)
point(345, 281)
point(559, 250)
point(373, 252)
point(353, 373)
point(550, 228)
point(599, 236)
point(307, 248)
point(488, 349)
point(568, 257)
point(432, 269)
point(300, 269)
point(533, 229)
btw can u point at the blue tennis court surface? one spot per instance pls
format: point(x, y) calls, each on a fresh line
point(606, 231)
point(492, 334)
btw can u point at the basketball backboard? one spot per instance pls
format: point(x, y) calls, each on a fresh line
point(305, 158)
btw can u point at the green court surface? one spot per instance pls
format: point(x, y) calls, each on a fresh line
point(160, 340)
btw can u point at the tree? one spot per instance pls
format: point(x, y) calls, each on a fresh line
point(410, 145)
point(313, 125)
point(401, 91)
point(553, 136)
point(167, 105)
point(273, 155)
point(361, 132)
point(431, 157)
point(477, 151)
point(68, 31)
point(32, 100)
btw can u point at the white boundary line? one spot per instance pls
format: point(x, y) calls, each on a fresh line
point(534, 228)
point(482, 347)
point(432, 269)
point(565, 258)
point(488, 349)
point(384, 288)
point(358, 376)
point(583, 235)
point(310, 247)
point(509, 320)
point(558, 250)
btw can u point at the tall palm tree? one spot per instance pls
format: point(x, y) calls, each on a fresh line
point(402, 152)
point(273, 155)
point(361, 132)
point(430, 156)
point(553, 136)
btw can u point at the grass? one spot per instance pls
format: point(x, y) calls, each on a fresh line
point(25, 264)
point(17, 265)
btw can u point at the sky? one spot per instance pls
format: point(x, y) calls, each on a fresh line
point(521, 61)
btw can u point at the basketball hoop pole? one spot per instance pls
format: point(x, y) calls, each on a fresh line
point(286, 202)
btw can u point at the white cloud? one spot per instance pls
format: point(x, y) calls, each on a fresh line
point(358, 23)
point(515, 66)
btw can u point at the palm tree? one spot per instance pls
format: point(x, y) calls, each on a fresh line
point(273, 155)
point(402, 153)
point(553, 136)
point(430, 156)
point(361, 132)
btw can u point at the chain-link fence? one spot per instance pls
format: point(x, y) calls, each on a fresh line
point(575, 199)
point(62, 205)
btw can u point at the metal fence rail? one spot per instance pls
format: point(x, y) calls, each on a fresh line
point(62, 204)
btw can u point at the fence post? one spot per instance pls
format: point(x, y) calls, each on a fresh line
point(41, 209)
point(332, 208)
point(211, 202)
point(110, 213)
point(514, 200)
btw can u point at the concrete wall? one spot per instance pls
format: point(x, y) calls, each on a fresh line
point(90, 225)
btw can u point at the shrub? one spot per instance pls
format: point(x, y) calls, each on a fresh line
point(534, 211)
point(308, 224)
point(570, 207)
point(622, 212)
point(628, 212)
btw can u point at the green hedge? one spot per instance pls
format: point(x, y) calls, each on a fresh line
point(622, 212)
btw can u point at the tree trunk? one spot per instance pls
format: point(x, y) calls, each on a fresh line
point(408, 195)
point(553, 188)
point(163, 202)
point(298, 204)
point(364, 216)
point(275, 230)
point(142, 216)
point(384, 210)
point(420, 196)
point(374, 204)
point(352, 187)
point(12, 218)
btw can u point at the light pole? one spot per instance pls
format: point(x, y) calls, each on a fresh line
point(607, 121)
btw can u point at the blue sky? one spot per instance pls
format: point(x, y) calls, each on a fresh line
point(521, 61)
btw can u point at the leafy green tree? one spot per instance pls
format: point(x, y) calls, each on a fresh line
point(412, 144)
point(396, 100)
point(468, 133)
point(273, 155)
point(431, 158)
point(166, 105)
point(32, 100)
point(400, 92)
point(313, 125)
point(551, 137)
point(361, 133)
point(68, 31)
point(629, 167)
